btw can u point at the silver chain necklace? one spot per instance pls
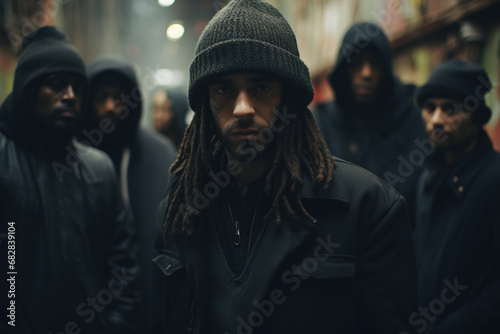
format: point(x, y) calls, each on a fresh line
point(237, 233)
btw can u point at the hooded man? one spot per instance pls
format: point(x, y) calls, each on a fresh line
point(265, 231)
point(373, 121)
point(141, 157)
point(70, 263)
point(457, 230)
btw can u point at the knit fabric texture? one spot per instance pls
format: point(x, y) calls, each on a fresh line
point(462, 81)
point(248, 36)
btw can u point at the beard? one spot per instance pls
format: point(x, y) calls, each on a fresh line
point(247, 150)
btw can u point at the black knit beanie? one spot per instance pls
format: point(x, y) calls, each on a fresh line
point(248, 36)
point(462, 81)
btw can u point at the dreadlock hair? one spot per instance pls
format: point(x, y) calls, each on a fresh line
point(299, 148)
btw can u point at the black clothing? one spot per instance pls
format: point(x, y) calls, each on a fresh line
point(73, 236)
point(142, 159)
point(389, 148)
point(457, 241)
point(462, 81)
point(352, 271)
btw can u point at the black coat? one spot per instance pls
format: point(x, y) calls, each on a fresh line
point(351, 272)
point(73, 234)
point(392, 148)
point(457, 243)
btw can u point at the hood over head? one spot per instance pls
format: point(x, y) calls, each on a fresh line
point(359, 37)
point(180, 108)
point(117, 68)
point(45, 51)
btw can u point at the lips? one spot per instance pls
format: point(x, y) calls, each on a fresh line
point(365, 89)
point(65, 113)
point(245, 134)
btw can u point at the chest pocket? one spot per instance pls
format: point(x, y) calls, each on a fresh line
point(168, 262)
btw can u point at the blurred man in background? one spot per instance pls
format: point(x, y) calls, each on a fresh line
point(373, 121)
point(141, 157)
point(170, 107)
point(73, 252)
point(457, 230)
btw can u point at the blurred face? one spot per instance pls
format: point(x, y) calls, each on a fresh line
point(163, 114)
point(447, 123)
point(243, 107)
point(366, 76)
point(59, 100)
point(107, 102)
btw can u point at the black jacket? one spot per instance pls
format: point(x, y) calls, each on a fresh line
point(142, 159)
point(351, 272)
point(392, 150)
point(457, 243)
point(73, 237)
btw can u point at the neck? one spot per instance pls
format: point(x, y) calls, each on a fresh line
point(366, 114)
point(250, 171)
point(454, 154)
point(52, 145)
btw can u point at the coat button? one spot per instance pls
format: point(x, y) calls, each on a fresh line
point(455, 179)
point(460, 189)
point(353, 148)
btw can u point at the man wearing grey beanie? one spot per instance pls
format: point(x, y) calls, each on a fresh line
point(265, 232)
point(457, 230)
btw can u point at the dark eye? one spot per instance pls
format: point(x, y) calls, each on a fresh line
point(262, 88)
point(429, 107)
point(57, 84)
point(223, 89)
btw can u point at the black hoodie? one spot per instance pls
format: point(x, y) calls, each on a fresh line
point(142, 159)
point(388, 148)
point(38, 59)
point(72, 230)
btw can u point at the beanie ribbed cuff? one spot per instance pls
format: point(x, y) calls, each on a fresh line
point(246, 55)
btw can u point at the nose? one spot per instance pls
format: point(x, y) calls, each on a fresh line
point(366, 69)
point(109, 104)
point(438, 117)
point(243, 108)
point(69, 93)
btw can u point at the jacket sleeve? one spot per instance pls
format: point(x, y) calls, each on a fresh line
point(386, 273)
point(480, 314)
point(120, 246)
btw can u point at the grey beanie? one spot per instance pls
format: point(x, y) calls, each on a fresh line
point(248, 36)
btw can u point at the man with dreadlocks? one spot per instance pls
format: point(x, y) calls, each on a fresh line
point(264, 231)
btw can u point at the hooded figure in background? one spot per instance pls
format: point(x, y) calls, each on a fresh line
point(170, 107)
point(70, 240)
point(373, 121)
point(141, 157)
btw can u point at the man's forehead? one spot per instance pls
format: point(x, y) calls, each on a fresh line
point(64, 75)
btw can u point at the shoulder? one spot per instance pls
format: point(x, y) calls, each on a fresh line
point(367, 197)
point(149, 140)
point(96, 162)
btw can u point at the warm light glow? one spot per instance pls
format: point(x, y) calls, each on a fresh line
point(166, 3)
point(175, 31)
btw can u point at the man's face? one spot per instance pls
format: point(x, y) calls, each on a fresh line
point(107, 102)
point(59, 100)
point(365, 74)
point(447, 123)
point(163, 114)
point(243, 106)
